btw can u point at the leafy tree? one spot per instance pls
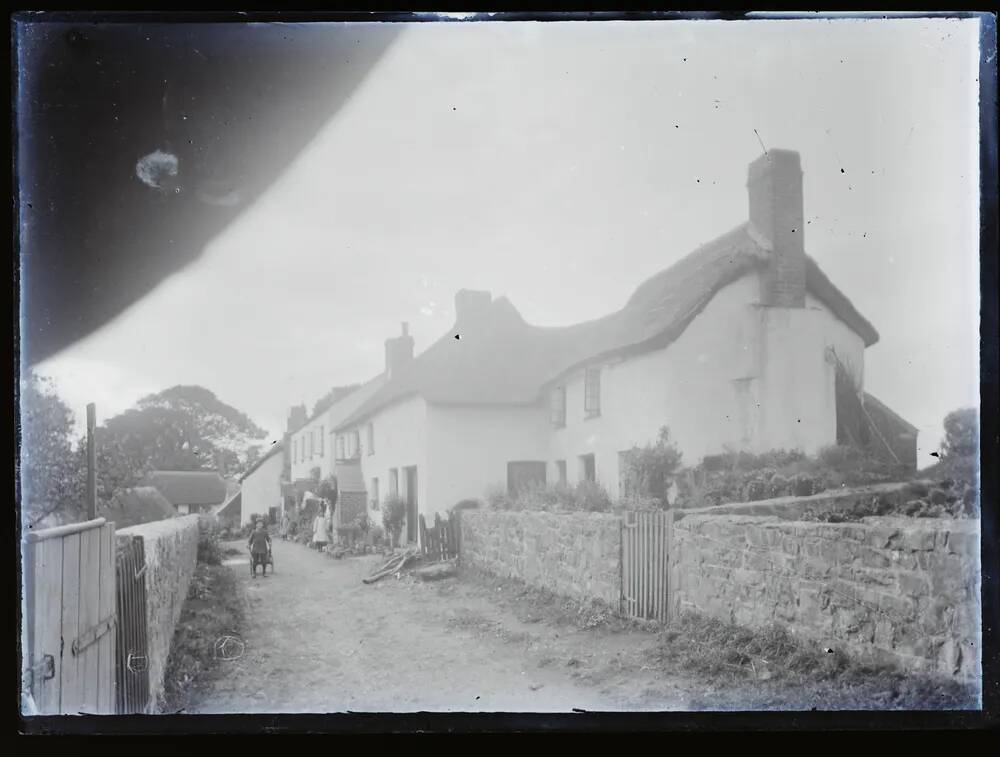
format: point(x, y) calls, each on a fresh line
point(961, 433)
point(50, 479)
point(187, 428)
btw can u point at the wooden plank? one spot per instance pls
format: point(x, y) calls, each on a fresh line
point(58, 532)
point(671, 578)
point(641, 534)
point(628, 568)
point(90, 597)
point(106, 607)
point(663, 567)
point(91, 461)
point(70, 683)
point(654, 551)
point(47, 619)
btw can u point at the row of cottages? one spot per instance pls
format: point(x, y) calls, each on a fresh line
point(743, 344)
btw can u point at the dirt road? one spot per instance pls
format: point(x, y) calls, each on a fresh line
point(318, 640)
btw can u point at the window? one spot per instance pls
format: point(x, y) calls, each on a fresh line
point(321, 441)
point(561, 471)
point(355, 443)
point(340, 448)
point(394, 482)
point(558, 399)
point(588, 468)
point(592, 392)
point(375, 499)
point(371, 439)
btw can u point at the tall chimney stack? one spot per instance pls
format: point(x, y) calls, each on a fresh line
point(398, 351)
point(777, 218)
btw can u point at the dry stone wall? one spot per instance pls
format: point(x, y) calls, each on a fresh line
point(576, 555)
point(903, 590)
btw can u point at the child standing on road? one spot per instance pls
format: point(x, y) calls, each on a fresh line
point(260, 547)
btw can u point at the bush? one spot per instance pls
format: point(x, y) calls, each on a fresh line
point(497, 498)
point(209, 549)
point(376, 535)
point(961, 433)
point(586, 496)
point(394, 515)
point(650, 470)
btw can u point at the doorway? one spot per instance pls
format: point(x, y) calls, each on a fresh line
point(411, 504)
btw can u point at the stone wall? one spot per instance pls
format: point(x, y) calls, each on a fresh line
point(902, 590)
point(576, 554)
point(171, 548)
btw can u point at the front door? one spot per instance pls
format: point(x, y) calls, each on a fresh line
point(411, 505)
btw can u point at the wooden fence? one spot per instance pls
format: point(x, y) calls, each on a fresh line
point(70, 618)
point(441, 541)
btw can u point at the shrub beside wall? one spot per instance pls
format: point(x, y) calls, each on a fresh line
point(171, 548)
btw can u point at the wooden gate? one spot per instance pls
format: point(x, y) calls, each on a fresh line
point(645, 569)
point(132, 669)
point(70, 616)
point(441, 541)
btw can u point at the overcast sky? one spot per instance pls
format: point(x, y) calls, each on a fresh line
point(561, 164)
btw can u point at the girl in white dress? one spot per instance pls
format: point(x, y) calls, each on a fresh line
point(319, 529)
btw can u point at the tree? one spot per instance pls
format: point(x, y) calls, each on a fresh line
point(961, 433)
point(650, 470)
point(50, 479)
point(187, 428)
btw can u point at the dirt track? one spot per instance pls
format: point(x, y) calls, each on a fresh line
point(318, 640)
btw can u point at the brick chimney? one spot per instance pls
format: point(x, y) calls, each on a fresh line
point(296, 417)
point(776, 218)
point(398, 351)
point(471, 305)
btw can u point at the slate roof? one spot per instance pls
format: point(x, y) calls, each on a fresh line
point(189, 487)
point(501, 359)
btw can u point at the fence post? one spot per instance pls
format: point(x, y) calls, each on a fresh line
point(91, 462)
point(671, 568)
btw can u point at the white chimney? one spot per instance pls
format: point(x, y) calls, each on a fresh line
point(776, 218)
point(398, 351)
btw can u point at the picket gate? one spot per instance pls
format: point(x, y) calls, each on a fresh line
point(645, 565)
point(441, 541)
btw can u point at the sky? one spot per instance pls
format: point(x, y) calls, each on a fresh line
point(562, 164)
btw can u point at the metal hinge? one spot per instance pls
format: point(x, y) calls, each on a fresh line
point(92, 635)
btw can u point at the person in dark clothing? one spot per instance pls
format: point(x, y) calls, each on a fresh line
point(260, 548)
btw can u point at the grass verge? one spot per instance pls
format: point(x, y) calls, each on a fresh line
point(213, 609)
point(771, 669)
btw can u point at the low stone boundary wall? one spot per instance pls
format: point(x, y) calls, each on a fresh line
point(576, 555)
point(900, 589)
point(171, 548)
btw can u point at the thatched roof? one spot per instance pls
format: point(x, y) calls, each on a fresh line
point(189, 487)
point(276, 448)
point(141, 504)
point(501, 359)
